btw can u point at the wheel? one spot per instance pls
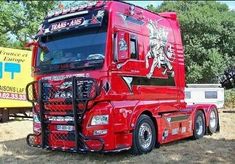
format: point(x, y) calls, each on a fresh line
point(213, 124)
point(144, 136)
point(199, 125)
point(5, 115)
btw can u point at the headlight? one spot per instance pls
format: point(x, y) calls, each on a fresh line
point(100, 120)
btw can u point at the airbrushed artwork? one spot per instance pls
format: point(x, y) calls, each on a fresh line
point(160, 49)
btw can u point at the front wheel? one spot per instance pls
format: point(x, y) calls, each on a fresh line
point(199, 125)
point(144, 136)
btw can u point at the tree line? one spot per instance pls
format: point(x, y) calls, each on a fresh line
point(208, 33)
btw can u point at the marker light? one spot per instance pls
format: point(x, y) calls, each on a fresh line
point(67, 15)
point(71, 9)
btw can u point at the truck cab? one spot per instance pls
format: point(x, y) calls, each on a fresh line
point(110, 76)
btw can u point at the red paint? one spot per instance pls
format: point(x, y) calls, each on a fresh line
point(124, 105)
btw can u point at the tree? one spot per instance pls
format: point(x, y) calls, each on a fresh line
point(208, 33)
point(20, 20)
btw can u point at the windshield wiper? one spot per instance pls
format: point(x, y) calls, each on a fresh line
point(48, 61)
point(87, 63)
point(79, 65)
point(95, 61)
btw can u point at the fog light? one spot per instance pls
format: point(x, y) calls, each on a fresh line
point(100, 132)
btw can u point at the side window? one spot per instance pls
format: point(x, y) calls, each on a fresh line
point(133, 47)
point(211, 95)
point(188, 94)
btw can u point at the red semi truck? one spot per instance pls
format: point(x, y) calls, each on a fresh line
point(109, 76)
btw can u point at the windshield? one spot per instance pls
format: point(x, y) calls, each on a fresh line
point(80, 48)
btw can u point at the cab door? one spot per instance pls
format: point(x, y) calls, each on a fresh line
point(126, 54)
point(121, 46)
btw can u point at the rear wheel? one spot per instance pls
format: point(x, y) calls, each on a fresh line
point(199, 125)
point(213, 124)
point(144, 136)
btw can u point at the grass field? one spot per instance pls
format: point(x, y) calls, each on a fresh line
point(218, 148)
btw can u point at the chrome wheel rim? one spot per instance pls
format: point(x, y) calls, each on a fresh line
point(199, 125)
point(145, 136)
point(212, 119)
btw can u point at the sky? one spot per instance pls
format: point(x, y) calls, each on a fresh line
point(231, 4)
point(145, 3)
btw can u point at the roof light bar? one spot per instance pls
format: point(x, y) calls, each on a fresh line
point(68, 15)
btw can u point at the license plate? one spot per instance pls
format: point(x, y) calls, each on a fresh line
point(65, 128)
point(60, 118)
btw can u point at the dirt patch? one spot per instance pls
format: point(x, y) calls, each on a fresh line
point(218, 148)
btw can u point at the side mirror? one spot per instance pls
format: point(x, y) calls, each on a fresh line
point(31, 44)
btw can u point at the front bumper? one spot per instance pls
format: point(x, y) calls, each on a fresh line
point(88, 144)
point(79, 138)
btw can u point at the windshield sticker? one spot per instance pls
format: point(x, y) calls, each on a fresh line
point(160, 50)
point(66, 24)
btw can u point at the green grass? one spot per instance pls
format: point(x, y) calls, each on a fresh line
point(229, 99)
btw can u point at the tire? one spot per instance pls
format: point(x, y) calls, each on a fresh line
point(213, 121)
point(199, 125)
point(144, 136)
